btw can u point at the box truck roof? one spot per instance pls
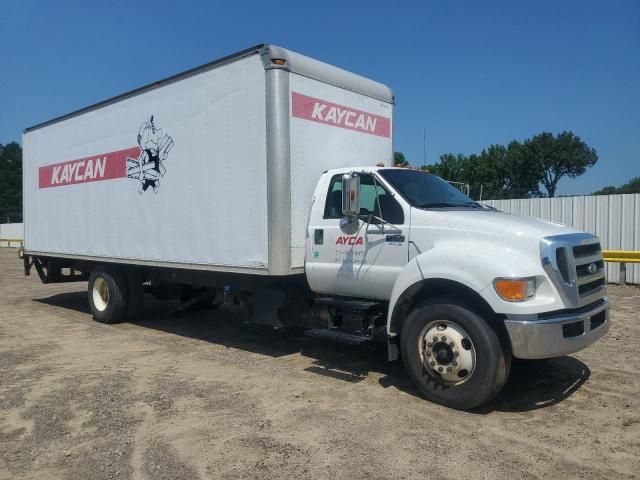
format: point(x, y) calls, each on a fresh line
point(272, 56)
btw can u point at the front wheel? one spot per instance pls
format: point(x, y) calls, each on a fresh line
point(452, 355)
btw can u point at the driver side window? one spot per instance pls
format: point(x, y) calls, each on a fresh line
point(374, 199)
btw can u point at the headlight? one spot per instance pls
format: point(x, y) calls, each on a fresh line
point(515, 289)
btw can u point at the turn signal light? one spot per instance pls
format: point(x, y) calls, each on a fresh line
point(515, 289)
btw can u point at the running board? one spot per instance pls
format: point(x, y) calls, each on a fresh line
point(338, 336)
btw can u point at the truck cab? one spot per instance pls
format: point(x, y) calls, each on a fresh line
point(462, 287)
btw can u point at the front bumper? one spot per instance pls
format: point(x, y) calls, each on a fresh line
point(559, 335)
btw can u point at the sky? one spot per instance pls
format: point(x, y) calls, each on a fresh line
point(469, 73)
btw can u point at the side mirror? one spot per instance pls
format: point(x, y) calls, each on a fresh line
point(350, 195)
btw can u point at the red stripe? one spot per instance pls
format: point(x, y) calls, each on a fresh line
point(105, 166)
point(322, 111)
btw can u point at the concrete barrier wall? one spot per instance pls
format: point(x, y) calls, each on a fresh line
point(613, 218)
point(13, 231)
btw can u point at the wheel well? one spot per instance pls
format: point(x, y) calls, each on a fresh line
point(439, 287)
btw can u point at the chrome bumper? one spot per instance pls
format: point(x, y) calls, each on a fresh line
point(557, 336)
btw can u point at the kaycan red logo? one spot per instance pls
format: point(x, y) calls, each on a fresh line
point(349, 241)
point(322, 111)
point(144, 163)
point(89, 169)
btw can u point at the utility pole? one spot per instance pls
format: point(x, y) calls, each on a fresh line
point(424, 147)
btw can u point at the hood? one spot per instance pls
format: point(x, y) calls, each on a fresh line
point(487, 223)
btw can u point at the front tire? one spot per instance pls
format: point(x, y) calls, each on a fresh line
point(452, 355)
point(108, 295)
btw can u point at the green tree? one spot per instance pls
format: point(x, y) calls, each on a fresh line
point(10, 182)
point(632, 186)
point(501, 171)
point(399, 160)
point(454, 168)
point(554, 157)
point(517, 170)
point(515, 179)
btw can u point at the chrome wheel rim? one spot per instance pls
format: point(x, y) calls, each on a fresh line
point(446, 350)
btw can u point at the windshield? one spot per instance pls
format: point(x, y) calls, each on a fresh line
point(425, 190)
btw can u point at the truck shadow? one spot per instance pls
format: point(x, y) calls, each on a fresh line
point(535, 384)
point(532, 384)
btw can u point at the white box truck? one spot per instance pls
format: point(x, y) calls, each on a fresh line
point(266, 176)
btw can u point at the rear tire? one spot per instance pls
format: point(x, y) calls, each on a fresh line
point(452, 355)
point(108, 295)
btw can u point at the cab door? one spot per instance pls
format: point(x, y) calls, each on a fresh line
point(361, 258)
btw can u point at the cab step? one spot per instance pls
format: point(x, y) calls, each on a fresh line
point(348, 303)
point(338, 336)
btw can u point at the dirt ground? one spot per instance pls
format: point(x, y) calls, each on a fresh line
point(200, 395)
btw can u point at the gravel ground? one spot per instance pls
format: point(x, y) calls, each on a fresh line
point(200, 395)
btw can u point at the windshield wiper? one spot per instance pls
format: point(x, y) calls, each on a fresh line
point(455, 205)
point(479, 205)
point(440, 205)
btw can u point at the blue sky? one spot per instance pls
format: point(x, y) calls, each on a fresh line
point(471, 73)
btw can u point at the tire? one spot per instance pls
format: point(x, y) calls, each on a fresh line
point(108, 295)
point(471, 349)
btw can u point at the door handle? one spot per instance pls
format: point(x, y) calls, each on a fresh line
point(395, 238)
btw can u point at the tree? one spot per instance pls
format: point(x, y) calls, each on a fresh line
point(608, 190)
point(399, 160)
point(501, 171)
point(454, 168)
point(517, 170)
point(554, 157)
point(10, 182)
point(632, 186)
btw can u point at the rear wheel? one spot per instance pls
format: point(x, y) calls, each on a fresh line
point(107, 295)
point(452, 355)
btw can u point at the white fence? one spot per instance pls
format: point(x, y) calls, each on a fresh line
point(11, 231)
point(613, 218)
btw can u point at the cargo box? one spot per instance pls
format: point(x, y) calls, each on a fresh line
point(212, 169)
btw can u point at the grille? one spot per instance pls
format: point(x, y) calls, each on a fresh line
point(589, 288)
point(580, 251)
point(575, 266)
point(581, 270)
point(563, 264)
point(589, 268)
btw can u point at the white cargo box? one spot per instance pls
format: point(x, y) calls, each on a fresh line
point(211, 169)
